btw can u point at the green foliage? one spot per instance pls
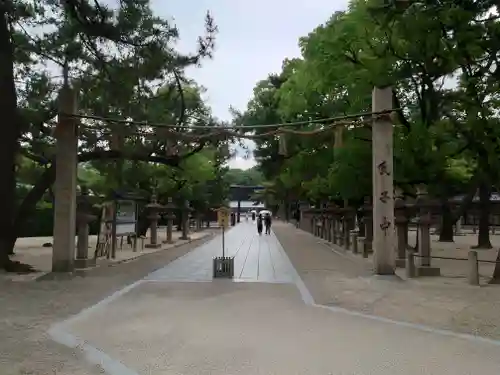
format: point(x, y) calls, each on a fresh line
point(442, 136)
point(122, 61)
point(248, 177)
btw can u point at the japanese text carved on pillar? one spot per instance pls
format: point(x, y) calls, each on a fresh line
point(384, 196)
point(386, 224)
point(382, 169)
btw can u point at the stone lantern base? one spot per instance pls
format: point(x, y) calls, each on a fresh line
point(427, 271)
point(85, 263)
point(400, 262)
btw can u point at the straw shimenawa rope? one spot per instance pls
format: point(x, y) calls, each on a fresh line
point(165, 130)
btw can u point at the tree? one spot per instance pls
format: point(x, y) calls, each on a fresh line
point(445, 138)
point(248, 177)
point(121, 60)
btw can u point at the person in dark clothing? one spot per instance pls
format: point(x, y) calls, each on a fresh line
point(259, 224)
point(267, 223)
point(297, 218)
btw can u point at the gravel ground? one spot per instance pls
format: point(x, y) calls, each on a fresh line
point(342, 279)
point(29, 308)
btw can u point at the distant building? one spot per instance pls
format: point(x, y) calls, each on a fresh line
point(246, 206)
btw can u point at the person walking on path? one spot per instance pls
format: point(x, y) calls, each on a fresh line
point(267, 222)
point(297, 218)
point(259, 224)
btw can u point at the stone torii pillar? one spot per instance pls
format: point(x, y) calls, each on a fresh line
point(66, 134)
point(383, 186)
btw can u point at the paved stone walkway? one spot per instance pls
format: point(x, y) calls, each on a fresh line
point(256, 259)
point(166, 325)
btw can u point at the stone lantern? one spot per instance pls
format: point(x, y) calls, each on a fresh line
point(401, 221)
point(186, 210)
point(349, 224)
point(153, 210)
point(424, 236)
point(84, 216)
point(170, 207)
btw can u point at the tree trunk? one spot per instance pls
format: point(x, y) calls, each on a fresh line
point(28, 205)
point(9, 228)
point(10, 135)
point(446, 229)
point(495, 279)
point(483, 238)
point(287, 207)
point(143, 222)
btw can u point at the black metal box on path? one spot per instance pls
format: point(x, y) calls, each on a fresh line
point(223, 267)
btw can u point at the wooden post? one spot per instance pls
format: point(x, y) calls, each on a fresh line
point(66, 134)
point(383, 202)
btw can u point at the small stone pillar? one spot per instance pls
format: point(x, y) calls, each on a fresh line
point(323, 226)
point(341, 228)
point(361, 225)
point(170, 207)
point(348, 226)
point(66, 156)
point(185, 221)
point(153, 210)
point(330, 228)
point(424, 243)
point(410, 264)
point(473, 268)
point(401, 221)
point(84, 216)
point(338, 227)
point(458, 227)
point(319, 223)
point(302, 216)
point(354, 242)
point(333, 225)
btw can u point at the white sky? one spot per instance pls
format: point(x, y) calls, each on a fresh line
point(254, 38)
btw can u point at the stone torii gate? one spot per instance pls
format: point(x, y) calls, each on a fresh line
point(66, 134)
